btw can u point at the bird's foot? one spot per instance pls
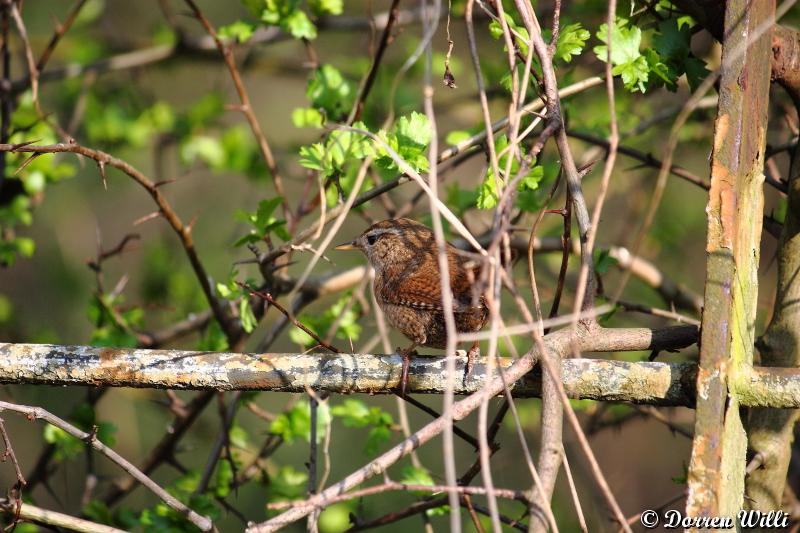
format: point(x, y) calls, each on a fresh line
point(406, 355)
point(473, 351)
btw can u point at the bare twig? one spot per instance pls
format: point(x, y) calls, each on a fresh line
point(61, 29)
point(396, 486)
point(246, 108)
point(202, 522)
point(560, 341)
point(369, 79)
point(182, 230)
point(53, 519)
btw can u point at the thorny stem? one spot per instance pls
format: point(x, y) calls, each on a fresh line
point(184, 232)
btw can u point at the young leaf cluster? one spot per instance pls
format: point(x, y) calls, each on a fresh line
point(642, 68)
point(345, 317)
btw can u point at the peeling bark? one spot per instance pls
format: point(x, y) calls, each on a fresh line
point(735, 207)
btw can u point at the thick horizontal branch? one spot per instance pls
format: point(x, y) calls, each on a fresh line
point(599, 379)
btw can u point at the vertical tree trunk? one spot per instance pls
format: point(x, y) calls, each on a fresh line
point(735, 206)
point(771, 430)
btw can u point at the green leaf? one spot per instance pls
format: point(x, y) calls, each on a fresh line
point(239, 30)
point(460, 200)
point(518, 33)
point(672, 42)
point(34, 182)
point(603, 261)
point(496, 28)
point(683, 477)
point(696, 72)
point(213, 338)
point(345, 146)
point(17, 212)
point(240, 150)
point(778, 213)
point(163, 518)
point(532, 179)
point(625, 42)
point(313, 157)
point(293, 423)
point(296, 422)
point(625, 55)
point(205, 110)
point(457, 136)
point(409, 138)
point(412, 475)
point(246, 315)
point(262, 222)
point(634, 74)
point(6, 309)
point(336, 518)
point(66, 446)
point(326, 7)
point(353, 412)
point(238, 436)
point(664, 73)
point(348, 326)
point(105, 433)
point(25, 246)
point(414, 130)
point(487, 193)
point(265, 210)
point(376, 437)
point(223, 290)
point(329, 90)
point(98, 511)
point(204, 148)
point(571, 41)
point(299, 25)
point(223, 477)
point(287, 484)
point(307, 117)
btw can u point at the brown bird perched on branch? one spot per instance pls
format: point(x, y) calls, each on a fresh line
point(408, 285)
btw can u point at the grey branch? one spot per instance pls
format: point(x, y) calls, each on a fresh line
point(52, 518)
point(600, 379)
point(202, 522)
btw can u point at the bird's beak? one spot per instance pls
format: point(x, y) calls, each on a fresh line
point(347, 246)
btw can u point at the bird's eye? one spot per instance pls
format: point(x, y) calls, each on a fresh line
point(371, 239)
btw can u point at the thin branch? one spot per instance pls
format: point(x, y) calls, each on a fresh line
point(369, 79)
point(53, 519)
point(8, 453)
point(446, 155)
point(246, 108)
point(165, 447)
point(202, 522)
point(560, 341)
point(231, 328)
point(61, 29)
point(395, 486)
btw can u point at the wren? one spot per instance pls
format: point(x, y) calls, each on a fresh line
point(408, 285)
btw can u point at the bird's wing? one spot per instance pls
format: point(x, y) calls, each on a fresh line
point(420, 288)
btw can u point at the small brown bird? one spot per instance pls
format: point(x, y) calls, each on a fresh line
point(408, 285)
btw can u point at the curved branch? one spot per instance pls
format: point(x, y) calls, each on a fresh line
point(202, 522)
point(231, 327)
